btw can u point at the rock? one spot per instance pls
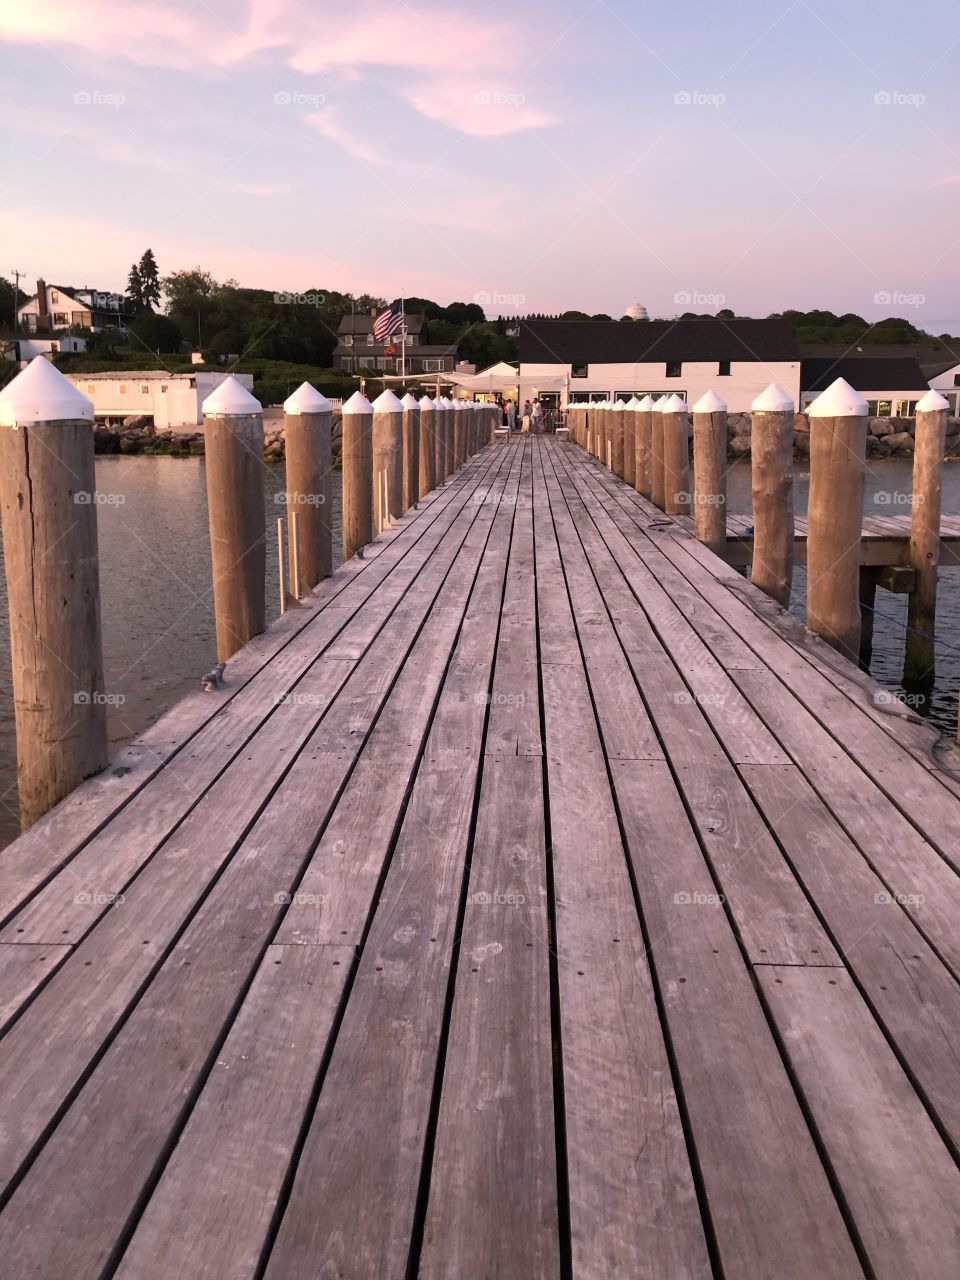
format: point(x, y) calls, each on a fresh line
point(740, 445)
point(138, 420)
point(902, 440)
point(881, 427)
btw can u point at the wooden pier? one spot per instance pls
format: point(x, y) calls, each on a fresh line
point(884, 541)
point(534, 901)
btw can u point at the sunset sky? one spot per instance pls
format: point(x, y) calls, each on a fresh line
point(535, 156)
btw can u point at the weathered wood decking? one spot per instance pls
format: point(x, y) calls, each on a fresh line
point(885, 540)
point(529, 905)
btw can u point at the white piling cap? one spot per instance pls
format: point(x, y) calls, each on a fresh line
point(410, 402)
point(458, 404)
point(773, 400)
point(932, 402)
point(619, 406)
point(675, 404)
point(646, 404)
point(358, 403)
point(839, 400)
point(709, 402)
point(633, 404)
point(40, 393)
point(427, 403)
point(231, 400)
point(387, 402)
point(444, 403)
point(306, 399)
point(660, 404)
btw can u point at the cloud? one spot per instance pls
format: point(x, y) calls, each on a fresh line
point(950, 180)
point(330, 124)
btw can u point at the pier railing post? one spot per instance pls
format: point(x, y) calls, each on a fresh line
point(233, 449)
point(710, 471)
point(838, 441)
point(676, 457)
point(428, 446)
point(644, 482)
point(387, 460)
point(459, 434)
point(771, 478)
point(630, 442)
point(49, 511)
point(656, 452)
point(411, 450)
point(446, 433)
point(929, 439)
point(357, 472)
point(618, 415)
point(308, 453)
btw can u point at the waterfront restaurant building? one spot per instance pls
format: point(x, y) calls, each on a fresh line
point(576, 361)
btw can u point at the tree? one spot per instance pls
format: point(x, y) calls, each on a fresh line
point(149, 280)
point(158, 333)
point(135, 288)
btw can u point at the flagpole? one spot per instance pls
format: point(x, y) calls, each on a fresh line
point(403, 340)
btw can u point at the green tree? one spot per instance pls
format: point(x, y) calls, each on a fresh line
point(156, 332)
point(135, 288)
point(149, 280)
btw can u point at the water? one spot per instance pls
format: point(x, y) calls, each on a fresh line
point(157, 606)
point(889, 485)
point(156, 596)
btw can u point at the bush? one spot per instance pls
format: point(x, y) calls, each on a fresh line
point(155, 333)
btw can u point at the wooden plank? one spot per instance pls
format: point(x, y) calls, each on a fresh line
point(212, 1209)
point(350, 1207)
point(899, 1181)
point(22, 970)
point(771, 1207)
point(909, 988)
point(495, 1153)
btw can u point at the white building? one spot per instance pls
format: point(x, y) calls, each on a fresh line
point(53, 308)
point(570, 361)
point(23, 350)
point(947, 382)
point(172, 400)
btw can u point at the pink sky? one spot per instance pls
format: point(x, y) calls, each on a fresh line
point(545, 156)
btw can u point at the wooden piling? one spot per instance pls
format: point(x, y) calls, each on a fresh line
point(710, 471)
point(308, 452)
point(387, 460)
point(459, 434)
point(233, 454)
point(449, 428)
point(929, 439)
point(838, 435)
point(656, 452)
point(630, 442)
point(49, 513)
point(676, 457)
point(771, 478)
point(644, 466)
point(428, 447)
point(357, 472)
point(618, 414)
point(411, 450)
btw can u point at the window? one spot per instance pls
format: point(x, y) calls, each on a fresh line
point(54, 296)
point(91, 388)
point(348, 339)
point(163, 388)
point(956, 379)
point(432, 366)
point(144, 389)
point(674, 368)
point(723, 369)
point(579, 370)
point(409, 342)
point(369, 339)
point(906, 408)
point(60, 317)
point(123, 388)
point(884, 408)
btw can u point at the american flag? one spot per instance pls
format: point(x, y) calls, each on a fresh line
point(389, 321)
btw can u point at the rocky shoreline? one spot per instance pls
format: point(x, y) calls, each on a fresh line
point(886, 438)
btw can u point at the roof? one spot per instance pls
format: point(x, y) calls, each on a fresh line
point(363, 324)
point(648, 341)
point(933, 357)
point(864, 373)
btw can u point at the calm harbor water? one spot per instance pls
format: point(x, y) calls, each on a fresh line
point(157, 607)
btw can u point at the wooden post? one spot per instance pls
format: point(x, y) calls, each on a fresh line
point(233, 455)
point(676, 457)
point(867, 597)
point(710, 471)
point(411, 450)
point(644, 480)
point(656, 452)
point(440, 421)
point(48, 502)
point(450, 413)
point(838, 440)
point(771, 475)
point(459, 424)
point(387, 460)
point(618, 412)
point(308, 450)
point(930, 433)
point(630, 442)
point(428, 447)
point(357, 470)
point(606, 456)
